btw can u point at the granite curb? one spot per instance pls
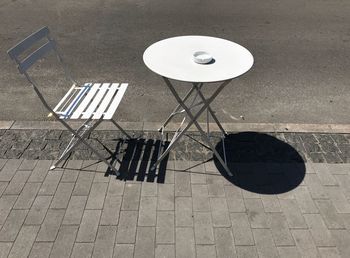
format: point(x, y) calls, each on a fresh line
point(153, 126)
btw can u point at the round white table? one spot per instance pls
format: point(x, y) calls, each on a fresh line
point(172, 58)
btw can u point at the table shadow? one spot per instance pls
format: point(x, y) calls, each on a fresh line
point(261, 163)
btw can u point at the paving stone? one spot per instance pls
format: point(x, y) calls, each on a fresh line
point(166, 197)
point(64, 242)
point(256, 214)
point(9, 169)
point(183, 212)
point(305, 243)
point(24, 241)
point(88, 226)
point(51, 182)
point(318, 230)
point(316, 189)
point(41, 250)
point(6, 204)
point(205, 251)
point(145, 240)
point(329, 252)
point(131, 198)
point(339, 169)
point(126, 232)
point(148, 211)
point(28, 164)
point(184, 244)
point(270, 203)
point(5, 249)
point(197, 173)
point(293, 214)
point(234, 199)
point(241, 229)
point(50, 226)
point(27, 196)
point(149, 189)
point(104, 244)
point(331, 218)
point(203, 228)
point(219, 211)
point(324, 174)
point(288, 252)
point(82, 250)
point(304, 200)
point(83, 183)
point(38, 210)
point(224, 243)
point(246, 252)
point(40, 171)
point(279, 229)
point(97, 196)
point(264, 243)
point(165, 230)
point(12, 225)
point(182, 184)
point(3, 186)
point(165, 251)
point(71, 171)
point(17, 183)
point(111, 210)
point(124, 251)
point(62, 196)
point(344, 182)
point(215, 186)
point(346, 219)
point(338, 199)
point(342, 240)
point(115, 188)
point(75, 210)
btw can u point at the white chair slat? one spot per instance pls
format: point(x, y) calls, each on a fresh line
point(115, 103)
point(107, 99)
point(83, 105)
point(96, 101)
point(64, 98)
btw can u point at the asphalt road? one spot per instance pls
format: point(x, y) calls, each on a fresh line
point(301, 49)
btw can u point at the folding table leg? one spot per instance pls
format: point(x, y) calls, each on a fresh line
point(210, 110)
point(193, 119)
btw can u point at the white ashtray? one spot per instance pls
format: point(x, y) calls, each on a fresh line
point(202, 57)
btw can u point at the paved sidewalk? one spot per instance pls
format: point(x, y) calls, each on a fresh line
point(290, 198)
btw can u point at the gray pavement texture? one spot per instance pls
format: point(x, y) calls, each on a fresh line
point(301, 49)
point(280, 203)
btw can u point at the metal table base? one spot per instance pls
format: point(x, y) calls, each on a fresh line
point(195, 91)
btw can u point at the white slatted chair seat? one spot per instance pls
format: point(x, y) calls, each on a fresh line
point(93, 100)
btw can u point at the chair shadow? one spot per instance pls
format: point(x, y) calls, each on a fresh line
point(136, 158)
point(261, 163)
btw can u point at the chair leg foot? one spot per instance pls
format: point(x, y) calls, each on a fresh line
point(52, 167)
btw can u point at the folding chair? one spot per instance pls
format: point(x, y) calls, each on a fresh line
point(90, 102)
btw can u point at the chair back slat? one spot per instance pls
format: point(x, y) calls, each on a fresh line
point(36, 55)
point(22, 46)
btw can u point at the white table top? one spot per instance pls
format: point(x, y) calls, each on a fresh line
point(173, 58)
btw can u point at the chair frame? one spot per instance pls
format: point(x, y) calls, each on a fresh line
point(78, 135)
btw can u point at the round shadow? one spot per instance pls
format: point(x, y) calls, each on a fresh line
point(261, 163)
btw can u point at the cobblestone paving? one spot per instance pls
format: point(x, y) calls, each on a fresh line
point(276, 205)
point(77, 211)
point(48, 144)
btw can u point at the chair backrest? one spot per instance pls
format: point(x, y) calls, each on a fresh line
point(27, 43)
point(43, 44)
